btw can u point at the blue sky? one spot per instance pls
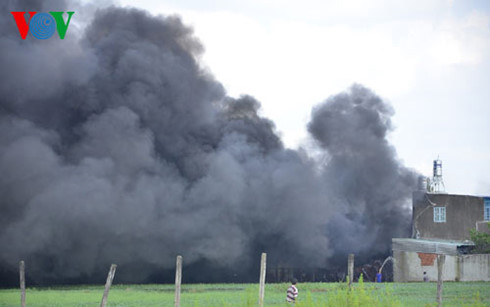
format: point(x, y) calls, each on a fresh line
point(429, 59)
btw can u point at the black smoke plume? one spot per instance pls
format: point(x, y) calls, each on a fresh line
point(366, 182)
point(117, 146)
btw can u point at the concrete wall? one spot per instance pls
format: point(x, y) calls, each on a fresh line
point(410, 266)
point(475, 267)
point(462, 213)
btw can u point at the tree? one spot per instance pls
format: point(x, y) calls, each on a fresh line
point(481, 240)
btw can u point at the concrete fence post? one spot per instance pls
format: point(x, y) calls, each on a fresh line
point(22, 278)
point(440, 266)
point(178, 280)
point(108, 283)
point(350, 268)
point(263, 262)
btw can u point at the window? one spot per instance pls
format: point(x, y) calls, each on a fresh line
point(486, 212)
point(439, 214)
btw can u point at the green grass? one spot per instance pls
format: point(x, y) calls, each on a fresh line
point(216, 295)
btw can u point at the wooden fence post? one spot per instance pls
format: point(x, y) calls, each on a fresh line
point(178, 280)
point(350, 268)
point(440, 266)
point(22, 276)
point(263, 262)
point(108, 283)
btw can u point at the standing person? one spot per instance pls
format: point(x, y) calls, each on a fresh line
point(426, 278)
point(292, 292)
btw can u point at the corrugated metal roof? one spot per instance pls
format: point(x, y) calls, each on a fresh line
point(451, 194)
point(428, 246)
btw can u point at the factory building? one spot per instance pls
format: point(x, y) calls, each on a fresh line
point(441, 224)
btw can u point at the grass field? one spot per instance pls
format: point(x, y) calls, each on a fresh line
point(215, 295)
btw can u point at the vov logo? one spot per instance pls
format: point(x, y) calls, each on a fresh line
point(42, 25)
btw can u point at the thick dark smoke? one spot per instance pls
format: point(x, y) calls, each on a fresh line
point(116, 146)
point(366, 182)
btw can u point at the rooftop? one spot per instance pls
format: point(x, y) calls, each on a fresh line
point(430, 245)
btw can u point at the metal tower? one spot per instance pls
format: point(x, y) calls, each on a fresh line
point(437, 184)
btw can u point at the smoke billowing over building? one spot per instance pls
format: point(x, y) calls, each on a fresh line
point(116, 146)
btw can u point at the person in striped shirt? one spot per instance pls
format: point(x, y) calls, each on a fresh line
point(292, 292)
